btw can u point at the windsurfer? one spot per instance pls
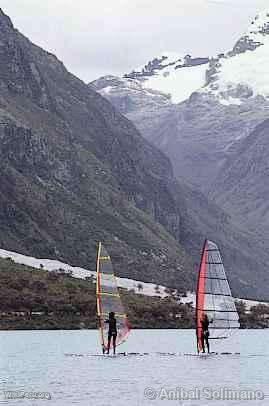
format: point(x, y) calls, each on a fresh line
point(205, 332)
point(112, 331)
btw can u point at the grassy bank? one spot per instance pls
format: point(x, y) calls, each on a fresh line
point(38, 299)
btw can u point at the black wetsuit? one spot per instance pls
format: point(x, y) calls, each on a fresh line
point(205, 333)
point(112, 333)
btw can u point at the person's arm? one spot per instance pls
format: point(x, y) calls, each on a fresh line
point(99, 320)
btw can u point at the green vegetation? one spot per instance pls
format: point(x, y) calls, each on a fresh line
point(256, 317)
point(154, 312)
point(38, 299)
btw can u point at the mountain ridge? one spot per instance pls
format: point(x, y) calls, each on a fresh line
point(74, 171)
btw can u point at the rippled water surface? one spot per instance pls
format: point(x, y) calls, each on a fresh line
point(68, 367)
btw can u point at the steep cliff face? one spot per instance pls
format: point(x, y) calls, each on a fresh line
point(74, 171)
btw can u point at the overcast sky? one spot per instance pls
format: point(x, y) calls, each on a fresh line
point(98, 37)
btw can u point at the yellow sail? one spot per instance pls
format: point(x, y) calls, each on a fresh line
point(108, 299)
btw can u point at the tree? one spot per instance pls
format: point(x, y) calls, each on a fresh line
point(157, 289)
point(139, 287)
point(260, 313)
point(242, 312)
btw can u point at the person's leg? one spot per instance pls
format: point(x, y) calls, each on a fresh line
point(203, 341)
point(114, 343)
point(207, 342)
point(108, 343)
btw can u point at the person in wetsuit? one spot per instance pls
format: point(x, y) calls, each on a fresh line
point(112, 331)
point(205, 332)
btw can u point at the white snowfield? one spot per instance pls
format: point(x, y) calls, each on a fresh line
point(178, 83)
point(148, 289)
point(238, 77)
point(175, 80)
point(249, 69)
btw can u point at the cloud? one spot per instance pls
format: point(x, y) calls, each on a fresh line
point(100, 37)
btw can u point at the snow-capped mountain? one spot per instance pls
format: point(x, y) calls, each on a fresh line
point(173, 75)
point(221, 101)
point(170, 75)
point(204, 132)
point(242, 73)
point(149, 94)
point(233, 77)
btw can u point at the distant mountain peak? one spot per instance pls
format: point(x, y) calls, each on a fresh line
point(255, 36)
point(168, 59)
point(242, 73)
point(260, 24)
point(155, 65)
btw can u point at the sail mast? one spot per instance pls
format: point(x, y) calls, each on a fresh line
point(98, 304)
point(200, 297)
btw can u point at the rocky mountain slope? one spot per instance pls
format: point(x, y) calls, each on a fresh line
point(74, 171)
point(243, 187)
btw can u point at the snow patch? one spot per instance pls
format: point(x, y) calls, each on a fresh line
point(260, 22)
point(107, 90)
point(178, 83)
point(249, 69)
point(144, 288)
point(50, 265)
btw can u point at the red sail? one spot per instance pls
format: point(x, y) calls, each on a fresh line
point(200, 298)
point(213, 297)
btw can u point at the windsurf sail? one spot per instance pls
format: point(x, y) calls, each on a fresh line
point(213, 297)
point(108, 299)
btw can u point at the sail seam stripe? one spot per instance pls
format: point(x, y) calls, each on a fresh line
point(116, 314)
point(216, 294)
point(219, 311)
point(223, 328)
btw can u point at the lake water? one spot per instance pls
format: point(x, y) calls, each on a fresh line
point(63, 365)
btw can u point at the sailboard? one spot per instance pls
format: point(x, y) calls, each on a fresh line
point(108, 299)
point(214, 297)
